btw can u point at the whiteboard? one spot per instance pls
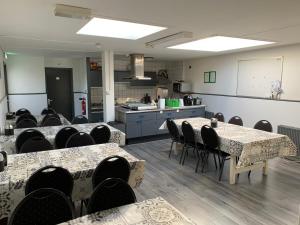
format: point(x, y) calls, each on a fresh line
point(255, 76)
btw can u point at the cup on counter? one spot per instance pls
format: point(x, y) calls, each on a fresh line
point(214, 123)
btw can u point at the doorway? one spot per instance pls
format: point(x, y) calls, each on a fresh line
point(59, 88)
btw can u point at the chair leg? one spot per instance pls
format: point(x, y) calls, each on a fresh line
point(81, 207)
point(181, 156)
point(200, 157)
point(205, 161)
point(249, 173)
point(221, 168)
point(186, 153)
point(215, 162)
point(171, 149)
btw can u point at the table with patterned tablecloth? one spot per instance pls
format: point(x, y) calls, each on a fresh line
point(251, 145)
point(7, 143)
point(80, 161)
point(39, 119)
point(148, 212)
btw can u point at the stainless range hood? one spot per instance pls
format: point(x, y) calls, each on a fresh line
point(137, 67)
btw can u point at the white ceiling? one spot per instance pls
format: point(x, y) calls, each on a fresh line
point(30, 25)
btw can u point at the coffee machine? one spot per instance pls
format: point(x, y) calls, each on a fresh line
point(188, 100)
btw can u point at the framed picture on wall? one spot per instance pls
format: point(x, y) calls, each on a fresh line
point(212, 76)
point(206, 77)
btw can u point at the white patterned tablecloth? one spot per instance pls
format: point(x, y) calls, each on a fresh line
point(80, 161)
point(7, 143)
point(39, 119)
point(251, 145)
point(149, 212)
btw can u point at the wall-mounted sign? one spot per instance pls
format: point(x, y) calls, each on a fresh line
point(210, 77)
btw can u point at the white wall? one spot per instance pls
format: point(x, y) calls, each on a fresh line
point(26, 80)
point(251, 110)
point(26, 74)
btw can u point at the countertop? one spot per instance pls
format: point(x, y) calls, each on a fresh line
point(124, 110)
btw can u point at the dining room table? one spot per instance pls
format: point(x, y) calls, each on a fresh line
point(148, 212)
point(7, 143)
point(39, 118)
point(79, 161)
point(253, 148)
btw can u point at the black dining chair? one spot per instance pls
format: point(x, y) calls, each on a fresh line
point(111, 167)
point(174, 134)
point(80, 120)
point(45, 206)
point(236, 120)
point(26, 123)
point(264, 125)
point(189, 142)
point(26, 116)
point(51, 121)
point(49, 115)
point(51, 177)
point(79, 139)
point(219, 116)
point(101, 134)
point(36, 144)
point(25, 135)
point(22, 111)
point(111, 193)
point(63, 135)
point(46, 111)
point(211, 145)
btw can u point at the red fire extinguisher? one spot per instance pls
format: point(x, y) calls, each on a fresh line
point(83, 105)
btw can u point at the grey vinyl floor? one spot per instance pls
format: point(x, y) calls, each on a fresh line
point(272, 199)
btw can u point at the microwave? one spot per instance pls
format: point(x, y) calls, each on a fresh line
point(182, 87)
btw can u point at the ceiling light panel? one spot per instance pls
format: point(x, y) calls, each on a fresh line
point(219, 44)
point(118, 29)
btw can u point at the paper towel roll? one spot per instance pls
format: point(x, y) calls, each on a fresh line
point(161, 103)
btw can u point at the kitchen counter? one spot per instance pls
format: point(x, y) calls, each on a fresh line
point(143, 123)
point(124, 110)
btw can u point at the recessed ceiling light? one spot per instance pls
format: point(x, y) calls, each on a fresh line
point(220, 43)
point(118, 29)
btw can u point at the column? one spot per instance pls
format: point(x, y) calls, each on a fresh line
point(108, 85)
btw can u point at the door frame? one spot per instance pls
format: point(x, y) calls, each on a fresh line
point(6, 84)
point(71, 87)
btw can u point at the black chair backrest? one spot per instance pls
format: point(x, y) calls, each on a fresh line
point(25, 135)
point(188, 133)
point(79, 139)
point(264, 125)
point(50, 115)
point(48, 111)
point(210, 137)
point(26, 123)
point(111, 167)
point(111, 193)
point(236, 120)
point(219, 116)
point(45, 206)
point(26, 116)
point(51, 121)
point(101, 134)
point(51, 177)
point(35, 144)
point(63, 135)
point(80, 120)
point(173, 130)
point(22, 111)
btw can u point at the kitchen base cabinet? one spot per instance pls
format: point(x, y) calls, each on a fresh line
point(142, 124)
point(133, 129)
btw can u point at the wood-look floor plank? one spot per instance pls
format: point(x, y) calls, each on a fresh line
point(272, 199)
